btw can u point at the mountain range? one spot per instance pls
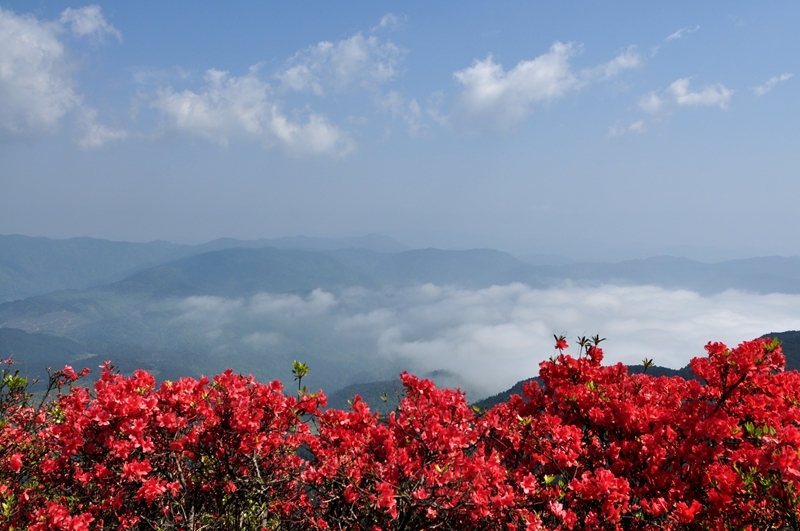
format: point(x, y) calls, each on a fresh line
point(35, 266)
point(184, 310)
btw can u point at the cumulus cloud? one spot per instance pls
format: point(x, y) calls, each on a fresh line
point(505, 98)
point(500, 99)
point(364, 61)
point(770, 84)
point(680, 33)
point(230, 107)
point(37, 89)
point(678, 94)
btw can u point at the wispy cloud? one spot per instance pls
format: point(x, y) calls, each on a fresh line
point(390, 21)
point(37, 88)
point(327, 66)
point(409, 111)
point(89, 22)
point(770, 84)
point(618, 129)
point(627, 60)
point(678, 94)
point(230, 107)
point(498, 99)
point(680, 33)
point(94, 134)
point(317, 302)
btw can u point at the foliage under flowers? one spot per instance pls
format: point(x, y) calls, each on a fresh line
point(592, 448)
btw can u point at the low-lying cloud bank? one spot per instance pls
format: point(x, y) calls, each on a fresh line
point(494, 337)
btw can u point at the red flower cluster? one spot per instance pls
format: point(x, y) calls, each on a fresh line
point(592, 448)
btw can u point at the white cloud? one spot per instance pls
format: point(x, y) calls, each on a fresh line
point(637, 127)
point(212, 309)
point(680, 33)
point(499, 99)
point(496, 336)
point(208, 309)
point(94, 135)
point(409, 111)
point(89, 21)
point(770, 84)
point(618, 129)
point(390, 21)
point(679, 95)
point(627, 60)
point(229, 108)
point(492, 337)
point(37, 89)
point(651, 103)
point(367, 62)
point(317, 302)
point(710, 96)
point(503, 98)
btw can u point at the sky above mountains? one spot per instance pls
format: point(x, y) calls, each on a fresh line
point(604, 131)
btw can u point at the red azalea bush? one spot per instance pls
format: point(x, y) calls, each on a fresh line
point(591, 448)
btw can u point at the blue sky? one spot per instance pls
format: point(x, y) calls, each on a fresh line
point(603, 131)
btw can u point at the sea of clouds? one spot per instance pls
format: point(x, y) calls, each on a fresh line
point(493, 337)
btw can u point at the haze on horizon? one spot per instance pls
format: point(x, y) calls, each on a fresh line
point(596, 131)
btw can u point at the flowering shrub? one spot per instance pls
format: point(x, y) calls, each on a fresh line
point(592, 447)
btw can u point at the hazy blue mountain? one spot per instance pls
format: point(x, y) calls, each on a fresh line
point(472, 268)
point(547, 259)
point(486, 267)
point(372, 242)
point(761, 275)
point(34, 266)
point(237, 272)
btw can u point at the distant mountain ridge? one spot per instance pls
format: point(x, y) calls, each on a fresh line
point(166, 317)
point(237, 272)
point(35, 266)
point(32, 266)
